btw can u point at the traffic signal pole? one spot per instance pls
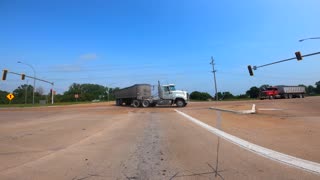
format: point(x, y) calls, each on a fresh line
point(34, 78)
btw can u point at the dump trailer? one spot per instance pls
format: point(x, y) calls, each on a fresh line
point(283, 92)
point(129, 94)
point(140, 95)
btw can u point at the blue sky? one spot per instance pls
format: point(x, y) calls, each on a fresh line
point(124, 42)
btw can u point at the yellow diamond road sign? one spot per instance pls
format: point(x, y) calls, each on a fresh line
point(10, 96)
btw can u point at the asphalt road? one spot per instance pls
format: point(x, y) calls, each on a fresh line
point(102, 141)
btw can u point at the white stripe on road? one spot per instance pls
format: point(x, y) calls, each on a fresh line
point(268, 153)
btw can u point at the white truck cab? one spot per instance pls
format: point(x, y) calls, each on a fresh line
point(169, 92)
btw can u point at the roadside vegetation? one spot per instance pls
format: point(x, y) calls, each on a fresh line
point(88, 93)
point(252, 93)
point(85, 93)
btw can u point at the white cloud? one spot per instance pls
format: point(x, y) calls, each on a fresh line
point(67, 68)
point(88, 57)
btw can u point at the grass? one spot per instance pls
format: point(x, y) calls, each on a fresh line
point(41, 105)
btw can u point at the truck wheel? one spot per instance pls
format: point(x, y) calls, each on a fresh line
point(145, 103)
point(136, 103)
point(180, 103)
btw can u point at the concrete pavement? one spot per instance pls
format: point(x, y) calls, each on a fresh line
point(108, 142)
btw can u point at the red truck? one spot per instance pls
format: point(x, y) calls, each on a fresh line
point(283, 92)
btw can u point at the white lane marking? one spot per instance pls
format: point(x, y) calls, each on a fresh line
point(268, 153)
point(251, 111)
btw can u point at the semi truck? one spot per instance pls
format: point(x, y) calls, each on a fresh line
point(281, 91)
point(140, 95)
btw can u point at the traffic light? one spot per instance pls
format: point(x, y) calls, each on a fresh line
point(250, 70)
point(4, 75)
point(298, 55)
point(23, 76)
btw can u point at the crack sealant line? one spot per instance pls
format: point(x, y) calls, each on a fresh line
point(268, 153)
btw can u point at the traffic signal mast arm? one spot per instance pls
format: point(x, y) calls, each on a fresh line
point(256, 67)
point(31, 77)
point(298, 57)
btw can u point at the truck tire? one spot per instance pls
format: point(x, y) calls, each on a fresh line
point(145, 103)
point(136, 103)
point(180, 103)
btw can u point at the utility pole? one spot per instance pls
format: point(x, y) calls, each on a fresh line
point(214, 76)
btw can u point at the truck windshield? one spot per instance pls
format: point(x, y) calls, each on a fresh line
point(271, 89)
point(172, 88)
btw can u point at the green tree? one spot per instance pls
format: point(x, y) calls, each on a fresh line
point(93, 91)
point(310, 90)
point(68, 96)
point(226, 95)
point(242, 96)
point(253, 92)
point(201, 96)
point(317, 89)
point(220, 95)
point(86, 92)
point(3, 97)
point(21, 93)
